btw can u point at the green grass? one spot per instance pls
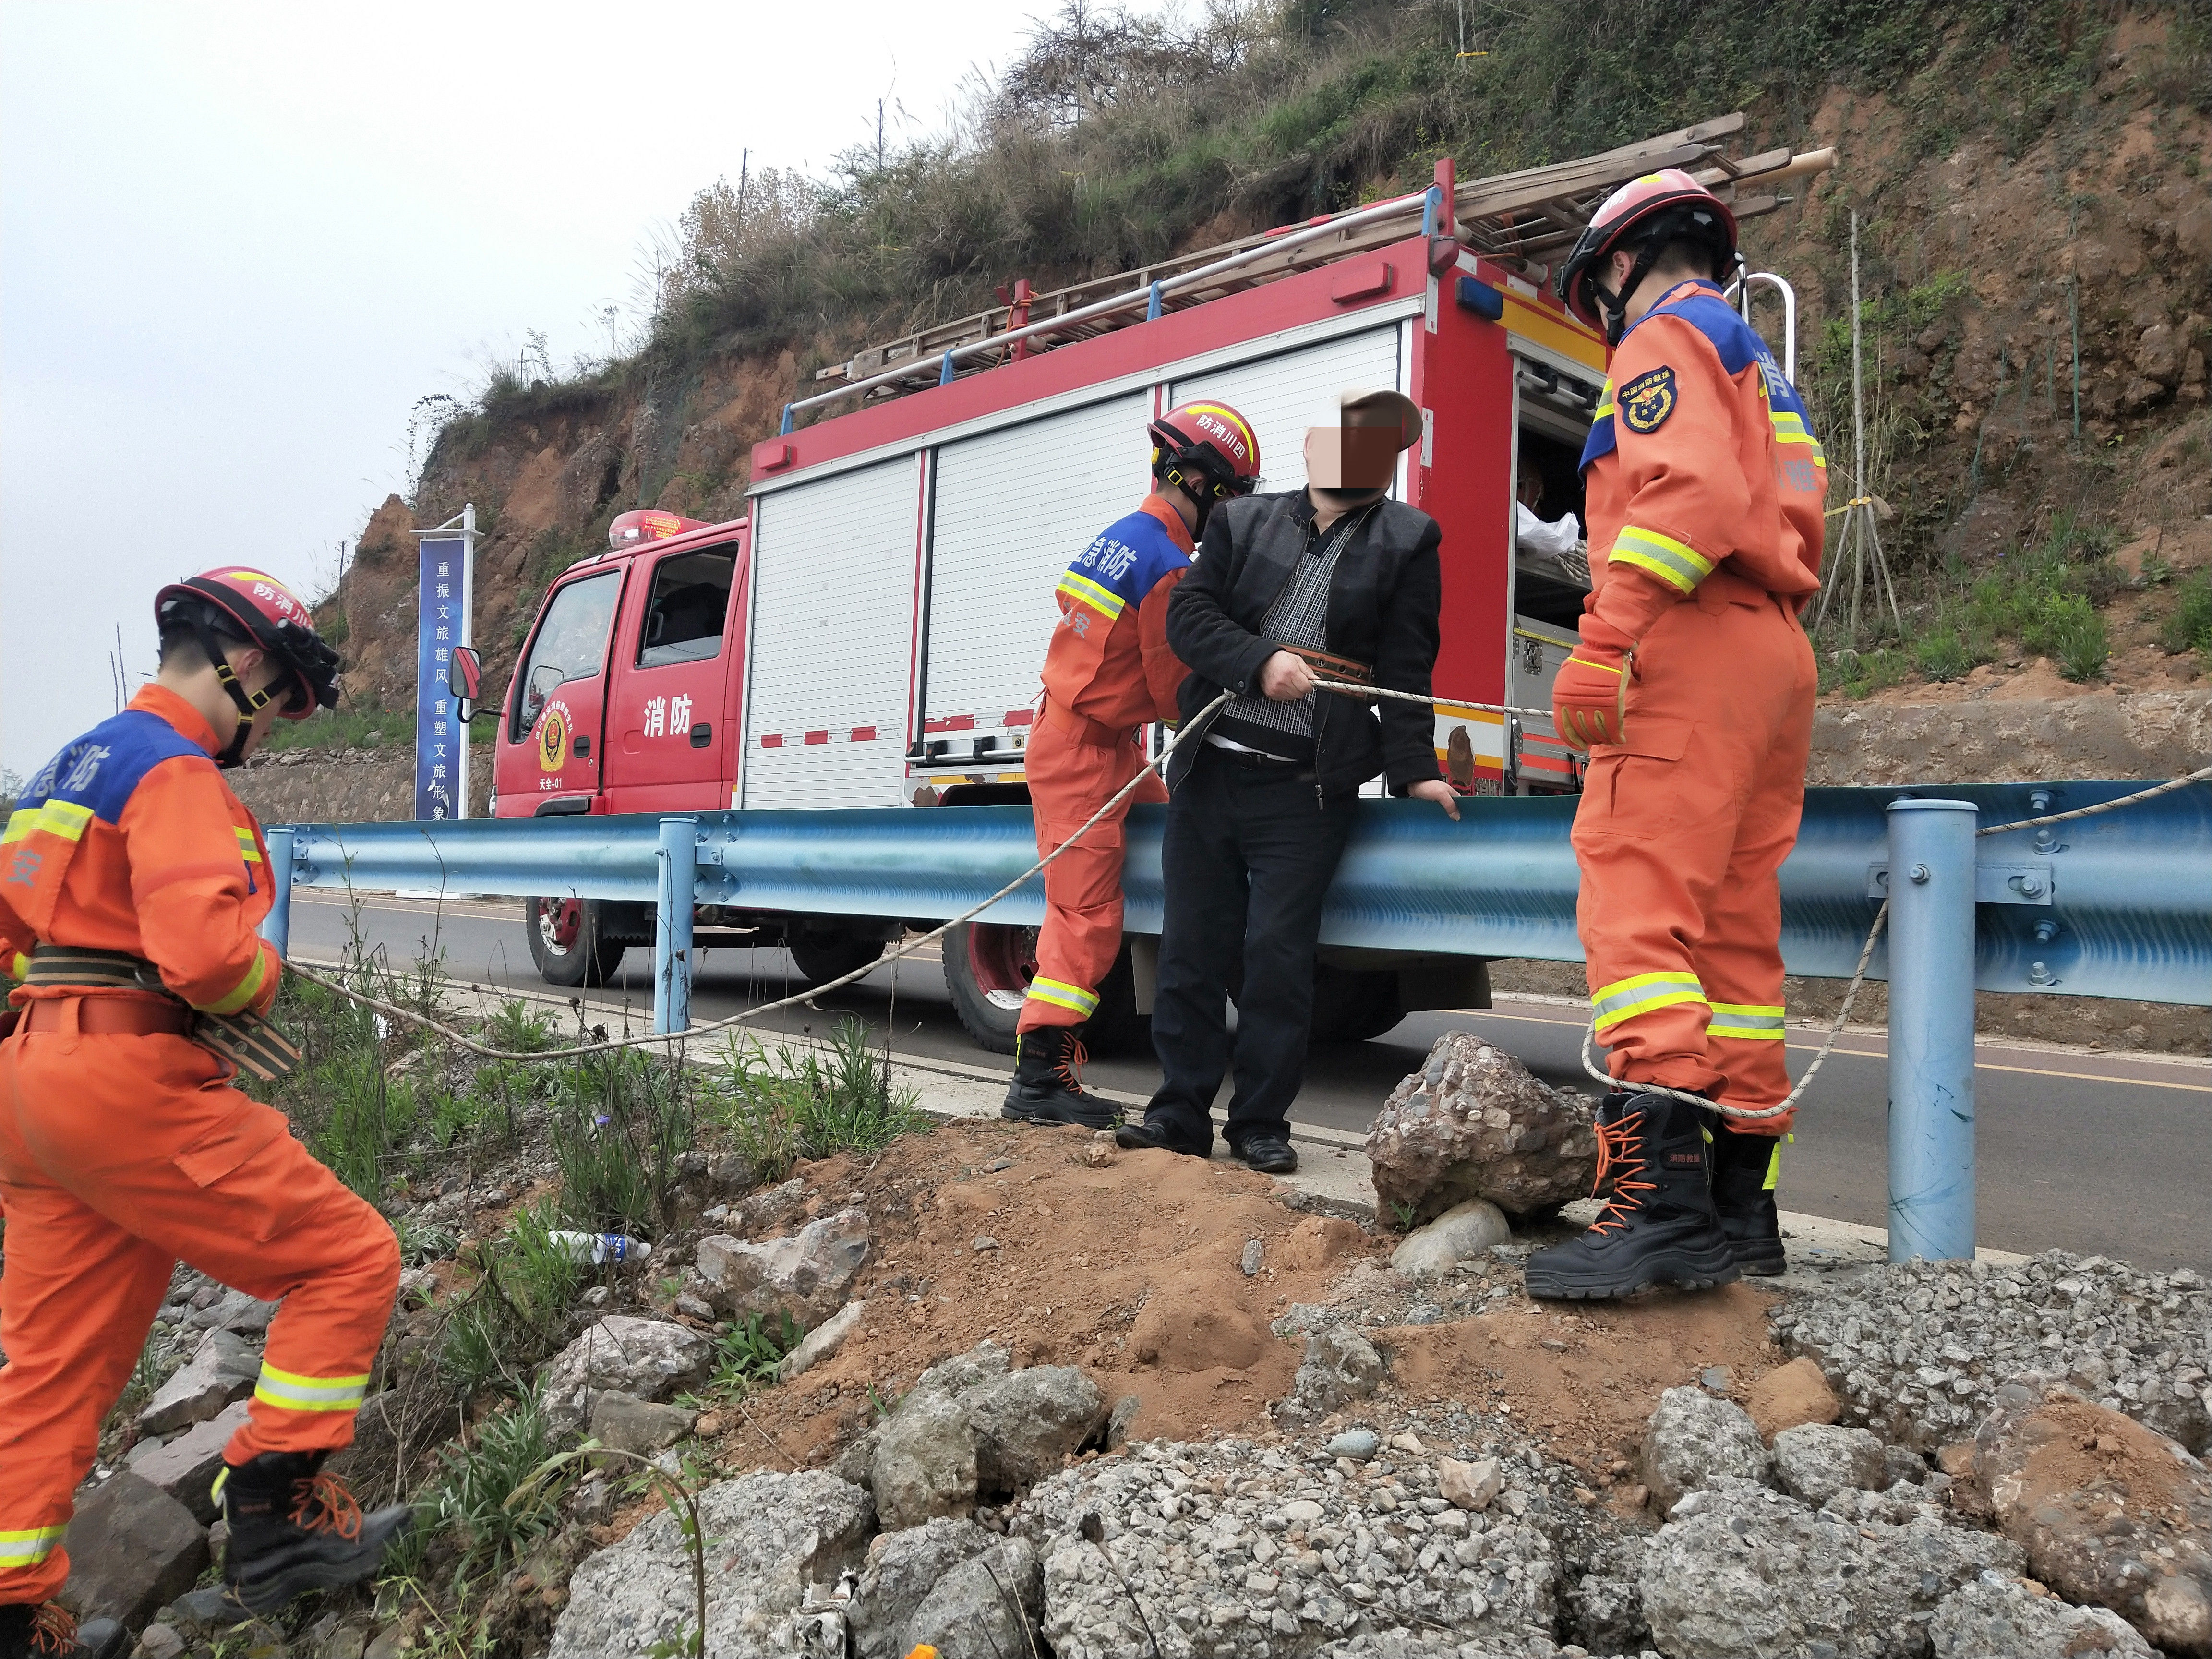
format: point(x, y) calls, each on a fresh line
point(2188, 626)
point(517, 1312)
point(329, 729)
point(491, 1494)
point(779, 1111)
point(618, 1125)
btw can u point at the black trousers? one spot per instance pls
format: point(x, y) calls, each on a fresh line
point(1248, 857)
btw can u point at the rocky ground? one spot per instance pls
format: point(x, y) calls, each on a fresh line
point(1058, 1401)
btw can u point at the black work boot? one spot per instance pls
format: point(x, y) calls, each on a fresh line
point(1658, 1226)
point(1745, 1171)
point(1159, 1132)
point(292, 1528)
point(1047, 1085)
point(45, 1629)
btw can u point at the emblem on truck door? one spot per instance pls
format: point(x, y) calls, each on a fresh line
point(553, 737)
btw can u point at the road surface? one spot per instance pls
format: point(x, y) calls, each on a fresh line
point(2096, 1153)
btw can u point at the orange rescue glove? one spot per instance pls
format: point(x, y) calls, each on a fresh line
point(1590, 697)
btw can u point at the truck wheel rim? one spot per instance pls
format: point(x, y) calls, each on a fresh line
point(559, 922)
point(1002, 961)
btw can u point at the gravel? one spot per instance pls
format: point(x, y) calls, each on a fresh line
point(1917, 1352)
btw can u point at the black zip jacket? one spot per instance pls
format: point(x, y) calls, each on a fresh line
point(1383, 600)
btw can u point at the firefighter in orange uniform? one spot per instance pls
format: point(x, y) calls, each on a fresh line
point(1693, 691)
point(131, 882)
point(1107, 675)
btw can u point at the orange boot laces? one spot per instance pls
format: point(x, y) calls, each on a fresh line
point(1617, 1144)
point(1071, 1062)
point(52, 1629)
point(322, 1503)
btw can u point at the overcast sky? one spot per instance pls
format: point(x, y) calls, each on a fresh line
point(238, 241)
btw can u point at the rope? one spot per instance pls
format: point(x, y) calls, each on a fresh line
point(394, 1012)
point(1746, 1114)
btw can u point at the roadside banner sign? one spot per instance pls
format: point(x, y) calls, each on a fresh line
point(444, 590)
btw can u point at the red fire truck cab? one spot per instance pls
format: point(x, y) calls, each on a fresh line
point(871, 635)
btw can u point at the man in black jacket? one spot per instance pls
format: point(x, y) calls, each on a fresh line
point(1333, 581)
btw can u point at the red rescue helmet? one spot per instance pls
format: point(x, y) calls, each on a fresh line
point(1646, 213)
point(1208, 450)
point(252, 605)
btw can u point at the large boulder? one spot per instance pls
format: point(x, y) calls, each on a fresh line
point(973, 1426)
point(1695, 1439)
point(989, 1607)
point(902, 1569)
point(223, 1369)
point(185, 1467)
point(1816, 1461)
point(132, 1548)
point(1999, 1616)
point(1233, 1549)
point(2108, 1512)
point(644, 1358)
point(640, 1426)
point(805, 1276)
point(1474, 1122)
point(770, 1537)
point(1741, 1569)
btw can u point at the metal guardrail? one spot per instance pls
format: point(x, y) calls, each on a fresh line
point(2119, 905)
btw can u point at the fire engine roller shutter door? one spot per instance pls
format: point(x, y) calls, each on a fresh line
point(1013, 508)
point(1280, 395)
point(833, 608)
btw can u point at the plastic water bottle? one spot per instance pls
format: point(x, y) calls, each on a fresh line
point(599, 1249)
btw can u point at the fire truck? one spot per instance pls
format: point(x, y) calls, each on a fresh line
point(869, 635)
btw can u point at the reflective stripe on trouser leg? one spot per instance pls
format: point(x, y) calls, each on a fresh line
point(1072, 998)
point(29, 1547)
point(295, 1393)
point(1641, 993)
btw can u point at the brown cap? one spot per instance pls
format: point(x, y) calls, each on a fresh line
point(1378, 407)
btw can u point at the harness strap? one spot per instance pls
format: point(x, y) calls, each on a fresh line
point(246, 1041)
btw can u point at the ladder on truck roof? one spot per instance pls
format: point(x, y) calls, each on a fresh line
point(1522, 218)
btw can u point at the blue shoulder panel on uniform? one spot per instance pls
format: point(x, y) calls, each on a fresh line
point(1129, 556)
point(1735, 340)
point(102, 768)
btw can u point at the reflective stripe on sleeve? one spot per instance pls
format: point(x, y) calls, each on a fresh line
point(27, 1549)
point(1746, 1019)
point(295, 1393)
point(1676, 563)
point(64, 818)
point(1084, 591)
point(246, 849)
point(1061, 995)
point(1625, 998)
point(245, 990)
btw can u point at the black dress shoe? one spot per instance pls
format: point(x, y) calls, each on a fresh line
point(1268, 1154)
point(1158, 1133)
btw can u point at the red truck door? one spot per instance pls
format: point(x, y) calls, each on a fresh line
point(553, 735)
point(673, 718)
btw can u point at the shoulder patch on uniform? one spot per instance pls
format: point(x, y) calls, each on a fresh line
point(1646, 401)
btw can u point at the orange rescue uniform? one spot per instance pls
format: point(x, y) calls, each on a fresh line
point(121, 1153)
point(1108, 674)
point(1705, 490)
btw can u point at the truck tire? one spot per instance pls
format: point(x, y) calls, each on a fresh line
point(822, 954)
point(987, 970)
point(1354, 1008)
point(566, 943)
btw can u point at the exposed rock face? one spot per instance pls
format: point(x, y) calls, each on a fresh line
point(805, 1275)
point(1463, 1231)
point(1741, 1570)
point(925, 1461)
point(131, 1548)
point(902, 1568)
point(628, 1423)
point(2001, 1617)
point(1474, 1122)
point(773, 1535)
point(2108, 1512)
point(1814, 1461)
point(1284, 1564)
point(186, 1466)
point(989, 1606)
point(1028, 1420)
point(1918, 1350)
point(1694, 1441)
point(645, 1359)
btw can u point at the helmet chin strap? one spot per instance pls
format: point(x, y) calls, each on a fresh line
point(250, 703)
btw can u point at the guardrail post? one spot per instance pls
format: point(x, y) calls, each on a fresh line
point(1931, 1030)
point(678, 858)
point(276, 925)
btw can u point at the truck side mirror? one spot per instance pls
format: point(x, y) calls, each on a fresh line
point(467, 680)
point(544, 680)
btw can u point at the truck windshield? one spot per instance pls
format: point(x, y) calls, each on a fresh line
point(571, 644)
point(683, 619)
